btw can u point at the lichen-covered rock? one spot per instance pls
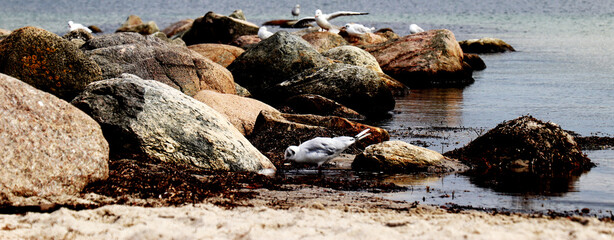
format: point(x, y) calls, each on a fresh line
point(47, 62)
point(485, 45)
point(240, 111)
point(216, 28)
point(318, 105)
point(221, 54)
point(274, 132)
point(528, 145)
point(356, 87)
point(399, 156)
point(152, 58)
point(134, 24)
point(323, 41)
point(146, 119)
point(356, 56)
point(274, 60)
point(49, 147)
point(427, 59)
point(179, 27)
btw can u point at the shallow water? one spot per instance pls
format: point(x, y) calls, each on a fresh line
point(562, 72)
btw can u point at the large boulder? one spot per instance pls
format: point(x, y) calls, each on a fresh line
point(49, 147)
point(152, 58)
point(134, 24)
point(356, 87)
point(150, 120)
point(323, 41)
point(399, 156)
point(240, 111)
point(221, 54)
point(356, 56)
point(485, 45)
point(273, 61)
point(274, 132)
point(426, 59)
point(528, 145)
point(216, 28)
point(179, 27)
point(47, 62)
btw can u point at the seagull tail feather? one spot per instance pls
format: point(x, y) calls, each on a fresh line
point(363, 134)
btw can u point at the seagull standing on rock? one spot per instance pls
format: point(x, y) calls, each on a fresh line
point(263, 33)
point(296, 10)
point(413, 28)
point(322, 19)
point(322, 149)
point(354, 29)
point(72, 26)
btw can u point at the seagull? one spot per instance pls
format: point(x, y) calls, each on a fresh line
point(321, 149)
point(354, 29)
point(74, 26)
point(263, 33)
point(413, 28)
point(322, 19)
point(296, 10)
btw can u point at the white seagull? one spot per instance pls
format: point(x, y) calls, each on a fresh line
point(263, 33)
point(321, 149)
point(413, 28)
point(355, 29)
point(296, 10)
point(72, 26)
point(322, 19)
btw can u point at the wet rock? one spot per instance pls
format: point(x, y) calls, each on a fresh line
point(216, 28)
point(274, 132)
point(178, 28)
point(274, 60)
point(221, 54)
point(356, 87)
point(399, 156)
point(323, 41)
point(428, 59)
point(525, 144)
point(474, 61)
point(485, 45)
point(240, 111)
point(47, 62)
point(145, 119)
point(49, 147)
point(151, 58)
point(318, 105)
point(356, 56)
point(134, 24)
point(246, 41)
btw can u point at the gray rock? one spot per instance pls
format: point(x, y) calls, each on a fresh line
point(150, 120)
point(49, 147)
point(47, 62)
point(152, 58)
point(216, 28)
point(238, 14)
point(399, 156)
point(356, 87)
point(273, 61)
point(316, 104)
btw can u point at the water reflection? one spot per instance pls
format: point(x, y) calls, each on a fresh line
point(428, 107)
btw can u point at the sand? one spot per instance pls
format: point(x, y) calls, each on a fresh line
point(304, 213)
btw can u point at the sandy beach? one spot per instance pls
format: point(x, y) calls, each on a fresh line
point(306, 212)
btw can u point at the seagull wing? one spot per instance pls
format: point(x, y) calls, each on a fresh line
point(330, 16)
point(321, 146)
point(304, 22)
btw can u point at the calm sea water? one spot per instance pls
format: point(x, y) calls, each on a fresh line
point(562, 72)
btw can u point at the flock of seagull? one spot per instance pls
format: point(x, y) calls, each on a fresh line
point(318, 150)
point(322, 20)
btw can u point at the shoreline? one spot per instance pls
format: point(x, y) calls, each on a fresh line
point(303, 212)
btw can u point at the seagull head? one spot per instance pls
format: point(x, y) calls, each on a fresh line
point(297, 6)
point(290, 153)
point(318, 13)
point(70, 23)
